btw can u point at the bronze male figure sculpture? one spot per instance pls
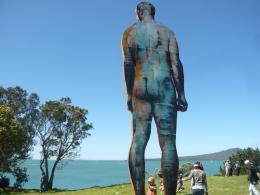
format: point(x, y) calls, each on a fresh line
point(153, 74)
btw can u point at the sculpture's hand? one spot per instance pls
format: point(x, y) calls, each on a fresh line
point(129, 104)
point(182, 104)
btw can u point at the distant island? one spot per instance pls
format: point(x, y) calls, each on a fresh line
point(222, 155)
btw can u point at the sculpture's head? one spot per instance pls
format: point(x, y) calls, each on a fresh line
point(145, 9)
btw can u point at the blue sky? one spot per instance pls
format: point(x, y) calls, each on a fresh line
point(72, 48)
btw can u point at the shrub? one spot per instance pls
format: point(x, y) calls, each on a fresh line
point(4, 182)
point(21, 177)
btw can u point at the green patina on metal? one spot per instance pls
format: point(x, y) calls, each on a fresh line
point(155, 89)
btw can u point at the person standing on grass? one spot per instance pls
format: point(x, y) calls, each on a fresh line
point(43, 180)
point(237, 168)
point(252, 178)
point(180, 185)
point(230, 170)
point(227, 167)
point(152, 190)
point(199, 185)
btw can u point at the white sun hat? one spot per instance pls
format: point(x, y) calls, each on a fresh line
point(247, 162)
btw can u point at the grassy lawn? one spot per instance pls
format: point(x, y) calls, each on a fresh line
point(217, 186)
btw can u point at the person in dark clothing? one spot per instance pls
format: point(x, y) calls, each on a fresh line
point(43, 180)
point(252, 178)
point(230, 170)
point(180, 184)
point(237, 168)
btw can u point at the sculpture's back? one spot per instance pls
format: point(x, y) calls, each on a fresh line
point(153, 75)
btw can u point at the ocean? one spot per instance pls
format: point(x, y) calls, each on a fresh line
point(78, 174)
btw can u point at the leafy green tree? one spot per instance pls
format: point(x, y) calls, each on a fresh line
point(17, 116)
point(185, 169)
point(11, 138)
point(61, 127)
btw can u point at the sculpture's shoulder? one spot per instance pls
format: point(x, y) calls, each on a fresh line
point(128, 36)
point(164, 30)
point(130, 31)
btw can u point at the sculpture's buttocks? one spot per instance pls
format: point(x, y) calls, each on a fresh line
point(152, 66)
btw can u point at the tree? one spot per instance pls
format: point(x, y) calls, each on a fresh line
point(17, 115)
point(185, 169)
point(11, 138)
point(61, 127)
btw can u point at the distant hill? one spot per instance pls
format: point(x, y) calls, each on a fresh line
point(222, 155)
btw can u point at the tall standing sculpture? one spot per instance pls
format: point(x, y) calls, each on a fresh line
point(153, 74)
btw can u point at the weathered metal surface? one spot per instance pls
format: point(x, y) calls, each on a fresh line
point(155, 89)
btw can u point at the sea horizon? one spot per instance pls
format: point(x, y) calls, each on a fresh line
point(91, 173)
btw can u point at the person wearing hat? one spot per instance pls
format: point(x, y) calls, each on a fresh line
point(252, 177)
point(152, 186)
point(199, 180)
point(227, 167)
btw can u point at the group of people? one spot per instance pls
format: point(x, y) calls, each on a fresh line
point(198, 181)
point(229, 168)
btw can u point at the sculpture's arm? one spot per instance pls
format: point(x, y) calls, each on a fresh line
point(128, 65)
point(177, 72)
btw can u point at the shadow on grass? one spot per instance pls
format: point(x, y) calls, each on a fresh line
point(15, 190)
point(12, 190)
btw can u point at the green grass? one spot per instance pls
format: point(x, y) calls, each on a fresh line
point(218, 185)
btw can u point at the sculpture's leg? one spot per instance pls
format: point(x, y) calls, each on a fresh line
point(141, 132)
point(165, 118)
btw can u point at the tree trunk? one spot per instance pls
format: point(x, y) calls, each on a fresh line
point(50, 182)
point(46, 185)
point(41, 165)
